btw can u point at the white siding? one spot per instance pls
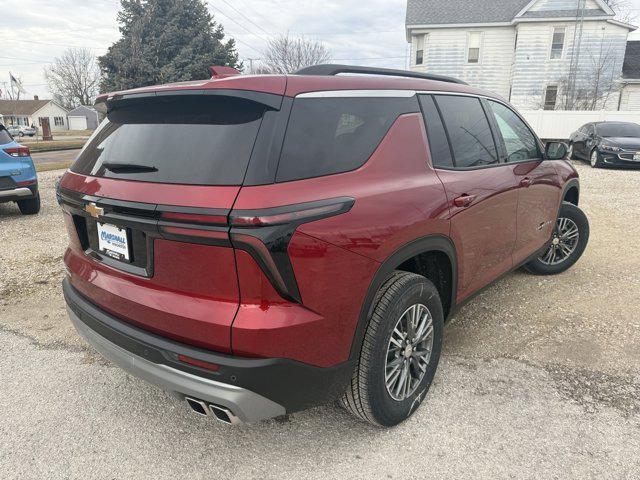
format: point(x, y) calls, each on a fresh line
point(544, 5)
point(52, 110)
point(561, 124)
point(446, 54)
point(630, 99)
point(533, 69)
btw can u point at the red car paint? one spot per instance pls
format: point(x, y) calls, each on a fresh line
point(218, 297)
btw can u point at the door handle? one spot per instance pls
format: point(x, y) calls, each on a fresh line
point(526, 182)
point(464, 200)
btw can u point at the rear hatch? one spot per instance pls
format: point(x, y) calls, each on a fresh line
point(146, 206)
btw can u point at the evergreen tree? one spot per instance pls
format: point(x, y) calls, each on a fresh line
point(164, 41)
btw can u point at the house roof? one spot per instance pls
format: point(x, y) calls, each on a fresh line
point(565, 13)
point(631, 66)
point(21, 107)
point(432, 12)
point(462, 12)
point(82, 111)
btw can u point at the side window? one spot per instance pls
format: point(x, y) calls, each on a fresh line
point(520, 143)
point(334, 135)
point(438, 143)
point(469, 131)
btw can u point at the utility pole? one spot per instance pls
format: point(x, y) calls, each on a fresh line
point(575, 54)
point(251, 60)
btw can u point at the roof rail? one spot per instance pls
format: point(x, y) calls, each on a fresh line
point(331, 69)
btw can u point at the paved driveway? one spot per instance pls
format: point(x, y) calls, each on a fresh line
point(540, 379)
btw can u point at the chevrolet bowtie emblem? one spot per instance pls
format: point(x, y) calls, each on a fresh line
point(93, 210)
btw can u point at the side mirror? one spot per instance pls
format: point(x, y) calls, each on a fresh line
point(555, 150)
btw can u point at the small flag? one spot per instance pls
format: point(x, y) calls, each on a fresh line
point(16, 83)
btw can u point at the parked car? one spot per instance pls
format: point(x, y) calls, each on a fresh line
point(21, 130)
point(311, 238)
point(607, 143)
point(18, 178)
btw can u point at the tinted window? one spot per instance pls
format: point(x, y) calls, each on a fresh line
point(520, 143)
point(333, 135)
point(4, 136)
point(469, 131)
point(618, 130)
point(189, 140)
point(438, 143)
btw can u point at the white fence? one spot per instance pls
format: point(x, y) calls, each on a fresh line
point(560, 124)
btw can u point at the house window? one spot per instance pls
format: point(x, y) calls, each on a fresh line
point(58, 121)
point(473, 54)
point(40, 119)
point(420, 49)
point(550, 97)
point(557, 42)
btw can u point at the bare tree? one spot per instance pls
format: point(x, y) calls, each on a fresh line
point(624, 10)
point(73, 78)
point(287, 54)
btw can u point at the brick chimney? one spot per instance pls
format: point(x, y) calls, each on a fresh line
point(35, 97)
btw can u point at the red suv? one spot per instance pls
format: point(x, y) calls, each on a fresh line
point(261, 244)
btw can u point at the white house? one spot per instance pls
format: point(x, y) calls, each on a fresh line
point(536, 53)
point(32, 112)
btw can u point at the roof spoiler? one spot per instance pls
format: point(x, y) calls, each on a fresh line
point(222, 72)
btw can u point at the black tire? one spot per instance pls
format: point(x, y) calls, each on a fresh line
point(30, 206)
point(598, 159)
point(368, 397)
point(577, 216)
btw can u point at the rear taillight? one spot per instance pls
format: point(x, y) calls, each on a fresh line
point(17, 151)
point(263, 233)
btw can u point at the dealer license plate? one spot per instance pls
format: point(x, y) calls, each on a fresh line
point(113, 241)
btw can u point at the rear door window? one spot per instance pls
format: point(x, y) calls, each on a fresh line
point(333, 135)
point(469, 132)
point(183, 140)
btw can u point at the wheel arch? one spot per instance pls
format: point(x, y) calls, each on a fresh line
point(433, 244)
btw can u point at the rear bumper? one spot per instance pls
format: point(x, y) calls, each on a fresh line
point(253, 389)
point(19, 193)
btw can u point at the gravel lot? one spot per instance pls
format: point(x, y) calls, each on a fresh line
point(540, 378)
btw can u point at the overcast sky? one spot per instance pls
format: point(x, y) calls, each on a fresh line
point(370, 32)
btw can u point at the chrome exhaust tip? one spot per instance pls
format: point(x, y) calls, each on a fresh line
point(224, 415)
point(221, 414)
point(198, 406)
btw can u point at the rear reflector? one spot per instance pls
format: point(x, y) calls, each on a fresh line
point(195, 218)
point(18, 151)
point(199, 363)
point(26, 183)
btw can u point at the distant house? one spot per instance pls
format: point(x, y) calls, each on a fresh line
point(630, 92)
point(32, 112)
point(83, 118)
point(524, 50)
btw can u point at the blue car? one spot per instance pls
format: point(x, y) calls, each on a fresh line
point(18, 179)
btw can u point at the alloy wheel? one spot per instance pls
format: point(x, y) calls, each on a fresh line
point(564, 242)
point(409, 352)
point(594, 158)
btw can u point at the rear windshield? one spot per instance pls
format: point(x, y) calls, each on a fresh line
point(184, 140)
point(618, 130)
point(4, 136)
point(334, 135)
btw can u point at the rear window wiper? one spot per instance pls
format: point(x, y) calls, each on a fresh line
point(118, 167)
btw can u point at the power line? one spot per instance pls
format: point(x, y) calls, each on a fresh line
point(235, 38)
point(245, 17)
